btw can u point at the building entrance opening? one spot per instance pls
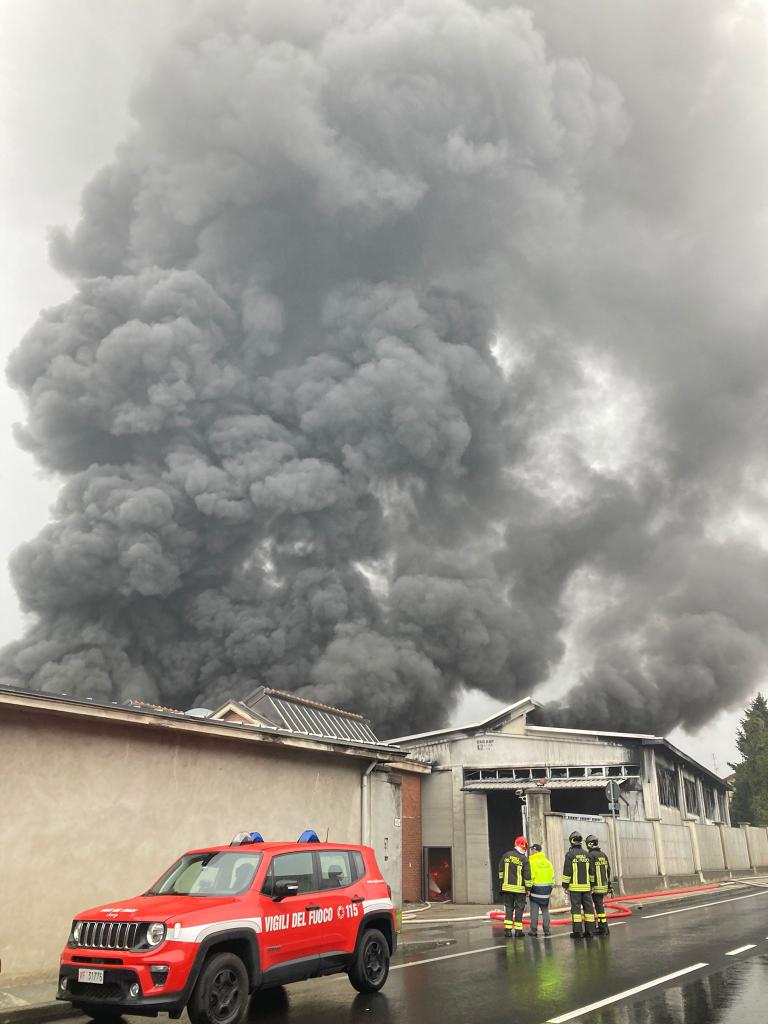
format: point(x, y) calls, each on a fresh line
point(505, 824)
point(438, 882)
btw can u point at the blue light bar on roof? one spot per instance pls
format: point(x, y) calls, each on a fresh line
point(245, 838)
point(309, 836)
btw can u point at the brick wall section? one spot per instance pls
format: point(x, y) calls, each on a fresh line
point(411, 825)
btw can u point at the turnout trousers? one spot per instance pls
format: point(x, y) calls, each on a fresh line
point(582, 912)
point(514, 908)
point(600, 916)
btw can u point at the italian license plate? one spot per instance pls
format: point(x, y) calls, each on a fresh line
point(94, 977)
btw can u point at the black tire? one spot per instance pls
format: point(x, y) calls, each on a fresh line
point(371, 966)
point(221, 993)
point(103, 1016)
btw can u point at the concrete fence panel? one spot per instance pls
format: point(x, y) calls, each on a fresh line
point(678, 852)
point(638, 849)
point(710, 847)
point(735, 848)
point(757, 840)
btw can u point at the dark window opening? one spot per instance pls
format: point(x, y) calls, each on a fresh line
point(667, 781)
point(691, 796)
point(710, 803)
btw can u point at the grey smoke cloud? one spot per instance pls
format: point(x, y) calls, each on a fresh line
point(391, 322)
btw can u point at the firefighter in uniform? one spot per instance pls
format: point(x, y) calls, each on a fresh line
point(577, 882)
point(601, 872)
point(515, 878)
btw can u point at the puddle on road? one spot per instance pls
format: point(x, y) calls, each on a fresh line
point(733, 996)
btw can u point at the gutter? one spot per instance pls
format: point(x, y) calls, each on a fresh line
point(365, 804)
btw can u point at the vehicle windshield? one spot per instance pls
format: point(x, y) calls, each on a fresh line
point(226, 873)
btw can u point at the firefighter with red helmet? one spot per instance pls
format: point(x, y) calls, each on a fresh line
point(577, 881)
point(601, 885)
point(515, 878)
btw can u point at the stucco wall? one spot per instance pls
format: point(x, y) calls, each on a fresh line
point(94, 812)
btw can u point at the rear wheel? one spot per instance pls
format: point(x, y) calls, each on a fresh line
point(221, 993)
point(371, 966)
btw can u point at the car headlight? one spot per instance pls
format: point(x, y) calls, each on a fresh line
point(155, 934)
point(77, 927)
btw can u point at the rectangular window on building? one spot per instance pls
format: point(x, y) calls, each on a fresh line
point(710, 803)
point(667, 782)
point(691, 797)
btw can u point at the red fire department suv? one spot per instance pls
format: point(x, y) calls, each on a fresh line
point(228, 921)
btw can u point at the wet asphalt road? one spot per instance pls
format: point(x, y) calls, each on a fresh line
point(483, 977)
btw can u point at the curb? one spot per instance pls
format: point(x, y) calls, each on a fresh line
point(35, 1012)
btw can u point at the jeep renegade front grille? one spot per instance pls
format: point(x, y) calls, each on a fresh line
point(108, 935)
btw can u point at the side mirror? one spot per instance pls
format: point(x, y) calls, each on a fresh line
point(286, 887)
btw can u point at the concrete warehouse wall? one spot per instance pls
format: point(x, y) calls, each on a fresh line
point(710, 847)
point(677, 852)
point(757, 843)
point(735, 847)
point(94, 811)
point(638, 849)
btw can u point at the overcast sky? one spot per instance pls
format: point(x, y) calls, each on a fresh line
point(68, 68)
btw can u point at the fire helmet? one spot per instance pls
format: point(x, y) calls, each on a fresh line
point(521, 843)
point(575, 838)
point(592, 842)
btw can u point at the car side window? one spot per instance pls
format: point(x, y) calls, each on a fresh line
point(293, 867)
point(358, 866)
point(335, 869)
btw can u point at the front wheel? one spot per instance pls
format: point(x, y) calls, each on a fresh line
point(371, 966)
point(221, 993)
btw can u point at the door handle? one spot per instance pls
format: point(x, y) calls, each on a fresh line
point(313, 906)
point(356, 899)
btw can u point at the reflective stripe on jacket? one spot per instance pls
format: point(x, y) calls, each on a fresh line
point(601, 870)
point(577, 870)
point(514, 872)
point(542, 877)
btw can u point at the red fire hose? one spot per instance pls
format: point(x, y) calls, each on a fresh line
point(615, 903)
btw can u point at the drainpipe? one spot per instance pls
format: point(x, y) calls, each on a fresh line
point(365, 803)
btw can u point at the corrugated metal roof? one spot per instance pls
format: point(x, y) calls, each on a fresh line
point(311, 721)
point(492, 785)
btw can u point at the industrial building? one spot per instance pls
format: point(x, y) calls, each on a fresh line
point(505, 776)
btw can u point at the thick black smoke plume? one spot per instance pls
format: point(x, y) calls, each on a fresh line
point(412, 340)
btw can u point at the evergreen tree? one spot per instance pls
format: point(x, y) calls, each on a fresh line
point(750, 799)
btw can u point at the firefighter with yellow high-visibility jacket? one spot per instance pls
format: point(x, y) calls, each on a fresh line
point(515, 878)
point(601, 886)
point(577, 882)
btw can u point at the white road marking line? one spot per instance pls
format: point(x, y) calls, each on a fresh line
point(441, 920)
point(741, 949)
point(447, 956)
point(700, 906)
point(484, 949)
point(624, 995)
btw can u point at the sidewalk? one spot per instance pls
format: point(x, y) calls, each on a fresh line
point(33, 1001)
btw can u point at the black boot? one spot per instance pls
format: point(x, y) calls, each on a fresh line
point(576, 935)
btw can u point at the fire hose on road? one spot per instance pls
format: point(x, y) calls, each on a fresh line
point(616, 903)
